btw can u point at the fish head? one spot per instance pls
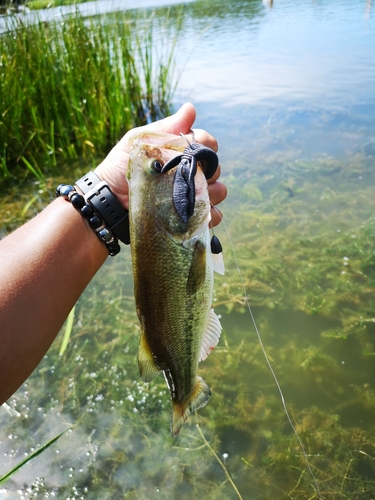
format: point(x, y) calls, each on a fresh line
point(153, 191)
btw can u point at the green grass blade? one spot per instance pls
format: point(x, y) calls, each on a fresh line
point(40, 450)
point(28, 204)
point(67, 331)
point(38, 174)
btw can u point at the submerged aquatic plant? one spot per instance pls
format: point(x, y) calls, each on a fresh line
point(304, 239)
point(81, 83)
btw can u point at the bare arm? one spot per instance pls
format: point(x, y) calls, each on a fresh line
point(46, 264)
point(44, 267)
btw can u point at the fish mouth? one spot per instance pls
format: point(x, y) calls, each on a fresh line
point(193, 153)
point(164, 147)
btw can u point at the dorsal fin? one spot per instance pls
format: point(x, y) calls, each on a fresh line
point(197, 273)
point(211, 335)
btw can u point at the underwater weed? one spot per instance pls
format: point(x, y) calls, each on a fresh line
point(219, 461)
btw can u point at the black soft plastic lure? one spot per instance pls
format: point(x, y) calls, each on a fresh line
point(183, 186)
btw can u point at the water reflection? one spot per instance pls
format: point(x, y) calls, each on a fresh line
point(98, 7)
point(294, 53)
point(368, 9)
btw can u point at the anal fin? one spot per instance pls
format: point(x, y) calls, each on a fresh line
point(146, 362)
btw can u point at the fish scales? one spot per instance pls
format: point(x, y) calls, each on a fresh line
point(173, 279)
point(155, 307)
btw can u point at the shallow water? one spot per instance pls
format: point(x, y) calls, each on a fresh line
point(289, 93)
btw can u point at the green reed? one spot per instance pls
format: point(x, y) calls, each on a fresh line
point(71, 88)
point(46, 4)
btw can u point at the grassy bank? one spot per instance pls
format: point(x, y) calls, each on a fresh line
point(70, 89)
point(46, 4)
point(37, 4)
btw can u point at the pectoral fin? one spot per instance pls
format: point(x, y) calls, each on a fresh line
point(197, 273)
point(146, 362)
point(218, 263)
point(211, 335)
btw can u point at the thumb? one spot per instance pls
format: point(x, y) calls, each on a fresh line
point(181, 121)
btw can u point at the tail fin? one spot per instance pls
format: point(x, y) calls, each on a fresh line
point(182, 411)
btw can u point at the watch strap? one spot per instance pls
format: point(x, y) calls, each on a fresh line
point(99, 194)
point(87, 182)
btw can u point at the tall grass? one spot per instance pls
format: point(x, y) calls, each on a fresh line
point(46, 4)
point(71, 88)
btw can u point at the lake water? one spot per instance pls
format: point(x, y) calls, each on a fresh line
point(289, 92)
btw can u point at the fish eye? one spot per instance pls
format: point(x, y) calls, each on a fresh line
point(156, 166)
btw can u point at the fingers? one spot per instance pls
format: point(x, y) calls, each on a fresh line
point(217, 192)
point(208, 140)
point(215, 176)
point(216, 217)
point(205, 138)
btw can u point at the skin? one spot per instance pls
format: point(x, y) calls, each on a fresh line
point(47, 263)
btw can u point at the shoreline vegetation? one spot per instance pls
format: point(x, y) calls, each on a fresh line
point(72, 87)
point(35, 4)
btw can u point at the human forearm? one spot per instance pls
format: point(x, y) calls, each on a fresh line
point(46, 264)
point(44, 267)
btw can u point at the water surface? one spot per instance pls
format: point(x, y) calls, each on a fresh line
point(289, 93)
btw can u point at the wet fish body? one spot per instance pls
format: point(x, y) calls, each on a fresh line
point(173, 275)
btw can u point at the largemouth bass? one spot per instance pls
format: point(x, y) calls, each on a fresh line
point(173, 269)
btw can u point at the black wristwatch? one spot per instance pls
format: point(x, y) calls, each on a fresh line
point(99, 194)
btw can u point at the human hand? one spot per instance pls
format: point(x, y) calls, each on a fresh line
point(113, 168)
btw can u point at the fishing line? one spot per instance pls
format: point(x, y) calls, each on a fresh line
point(215, 251)
point(267, 358)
